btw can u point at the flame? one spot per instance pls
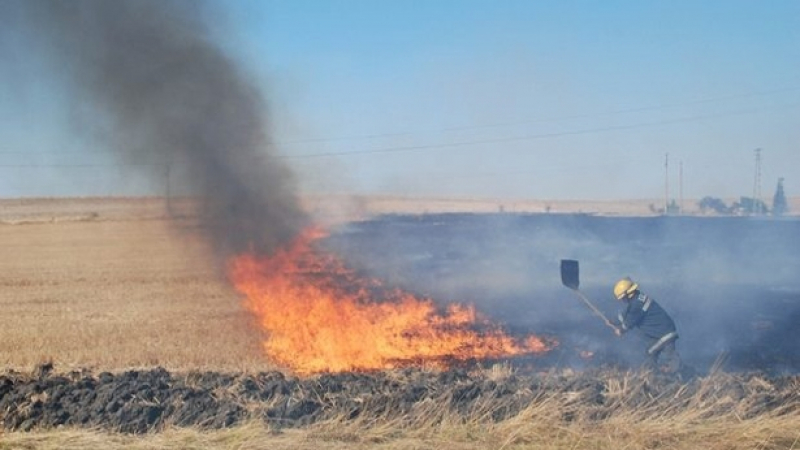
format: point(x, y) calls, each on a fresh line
point(321, 316)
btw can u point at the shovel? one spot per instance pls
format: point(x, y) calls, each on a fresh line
point(570, 278)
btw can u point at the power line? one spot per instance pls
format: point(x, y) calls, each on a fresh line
point(530, 136)
point(409, 148)
point(496, 125)
point(542, 120)
point(756, 209)
point(78, 166)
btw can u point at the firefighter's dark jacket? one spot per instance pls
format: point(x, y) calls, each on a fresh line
point(644, 313)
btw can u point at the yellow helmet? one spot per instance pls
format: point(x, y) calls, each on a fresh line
point(625, 288)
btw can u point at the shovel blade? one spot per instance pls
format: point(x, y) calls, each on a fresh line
point(570, 273)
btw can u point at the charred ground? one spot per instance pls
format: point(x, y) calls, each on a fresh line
point(150, 400)
point(730, 283)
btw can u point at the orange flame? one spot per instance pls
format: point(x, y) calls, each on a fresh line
point(321, 317)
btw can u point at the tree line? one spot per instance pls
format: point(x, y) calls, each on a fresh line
point(747, 205)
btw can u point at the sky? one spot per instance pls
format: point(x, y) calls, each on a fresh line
point(468, 98)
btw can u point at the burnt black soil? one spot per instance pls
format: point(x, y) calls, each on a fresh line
point(147, 401)
point(732, 284)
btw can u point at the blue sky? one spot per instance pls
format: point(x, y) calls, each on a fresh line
point(514, 99)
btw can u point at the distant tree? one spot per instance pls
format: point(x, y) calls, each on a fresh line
point(749, 205)
point(713, 204)
point(779, 206)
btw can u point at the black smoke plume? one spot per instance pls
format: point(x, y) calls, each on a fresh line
point(169, 96)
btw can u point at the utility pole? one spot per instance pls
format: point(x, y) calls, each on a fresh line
point(757, 185)
point(666, 184)
point(167, 193)
point(680, 187)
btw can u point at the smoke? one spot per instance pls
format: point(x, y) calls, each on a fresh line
point(164, 96)
point(730, 283)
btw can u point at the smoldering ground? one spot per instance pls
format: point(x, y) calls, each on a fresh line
point(729, 282)
point(158, 93)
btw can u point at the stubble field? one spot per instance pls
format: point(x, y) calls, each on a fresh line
point(118, 287)
point(118, 294)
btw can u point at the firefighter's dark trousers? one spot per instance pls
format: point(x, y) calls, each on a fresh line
point(664, 359)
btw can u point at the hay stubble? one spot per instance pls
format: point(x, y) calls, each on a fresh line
point(119, 294)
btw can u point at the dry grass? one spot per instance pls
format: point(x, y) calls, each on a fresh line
point(113, 295)
point(771, 435)
point(702, 419)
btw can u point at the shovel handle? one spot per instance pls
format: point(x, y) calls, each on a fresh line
point(595, 310)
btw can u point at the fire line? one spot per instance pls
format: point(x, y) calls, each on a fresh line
point(320, 316)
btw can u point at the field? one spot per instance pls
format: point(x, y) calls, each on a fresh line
point(116, 286)
point(118, 294)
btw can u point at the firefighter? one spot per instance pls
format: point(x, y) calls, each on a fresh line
point(653, 323)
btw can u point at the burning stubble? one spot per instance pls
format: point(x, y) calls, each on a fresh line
point(166, 96)
point(324, 317)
